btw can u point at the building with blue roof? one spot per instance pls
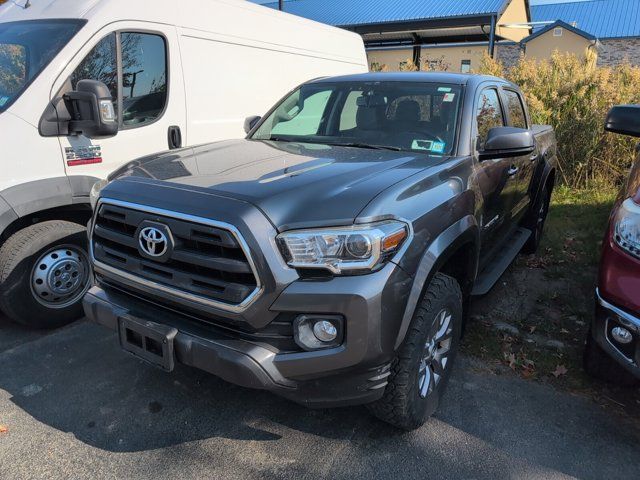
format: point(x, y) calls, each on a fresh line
point(455, 34)
point(428, 32)
point(614, 23)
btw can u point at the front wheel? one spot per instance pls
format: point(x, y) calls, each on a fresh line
point(44, 273)
point(421, 370)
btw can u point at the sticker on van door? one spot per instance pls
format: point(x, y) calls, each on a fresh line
point(83, 155)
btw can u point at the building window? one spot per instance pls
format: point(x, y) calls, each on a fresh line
point(557, 32)
point(465, 67)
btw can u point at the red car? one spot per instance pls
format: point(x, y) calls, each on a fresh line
point(613, 345)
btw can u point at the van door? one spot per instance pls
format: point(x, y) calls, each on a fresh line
point(525, 164)
point(140, 64)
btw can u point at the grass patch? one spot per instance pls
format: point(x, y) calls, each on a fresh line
point(536, 319)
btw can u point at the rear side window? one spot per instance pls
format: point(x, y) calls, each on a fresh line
point(517, 117)
point(142, 75)
point(489, 115)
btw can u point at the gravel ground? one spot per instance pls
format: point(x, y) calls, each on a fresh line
point(75, 406)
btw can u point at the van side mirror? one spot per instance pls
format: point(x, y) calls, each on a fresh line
point(251, 122)
point(91, 110)
point(504, 142)
point(624, 119)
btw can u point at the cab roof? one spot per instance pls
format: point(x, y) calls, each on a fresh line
point(417, 77)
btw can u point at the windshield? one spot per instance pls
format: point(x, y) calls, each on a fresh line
point(26, 48)
point(411, 116)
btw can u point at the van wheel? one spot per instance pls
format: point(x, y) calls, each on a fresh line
point(421, 370)
point(536, 222)
point(44, 273)
point(600, 365)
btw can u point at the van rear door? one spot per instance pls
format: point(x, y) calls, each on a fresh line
point(140, 63)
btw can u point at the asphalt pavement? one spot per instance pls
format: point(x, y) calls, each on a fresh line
point(76, 406)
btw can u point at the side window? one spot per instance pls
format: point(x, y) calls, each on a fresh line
point(517, 117)
point(143, 78)
point(100, 64)
point(489, 114)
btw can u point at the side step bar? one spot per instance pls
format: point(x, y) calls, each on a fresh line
point(500, 262)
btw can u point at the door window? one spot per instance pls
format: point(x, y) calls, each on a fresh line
point(142, 75)
point(517, 118)
point(489, 115)
point(100, 64)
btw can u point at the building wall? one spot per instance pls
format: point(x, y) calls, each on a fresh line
point(508, 53)
point(435, 58)
point(615, 51)
point(542, 47)
point(516, 12)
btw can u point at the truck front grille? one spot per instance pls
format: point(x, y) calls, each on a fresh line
point(206, 260)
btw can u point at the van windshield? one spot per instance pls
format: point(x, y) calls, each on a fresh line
point(26, 48)
point(396, 115)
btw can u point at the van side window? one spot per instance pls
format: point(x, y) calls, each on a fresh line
point(517, 118)
point(144, 77)
point(100, 64)
point(144, 74)
point(489, 115)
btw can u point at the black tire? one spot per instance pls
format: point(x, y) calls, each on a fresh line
point(44, 242)
point(402, 404)
point(536, 220)
point(600, 365)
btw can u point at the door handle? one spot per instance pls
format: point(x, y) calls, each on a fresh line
point(513, 170)
point(174, 136)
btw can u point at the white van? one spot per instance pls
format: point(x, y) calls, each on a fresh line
point(87, 85)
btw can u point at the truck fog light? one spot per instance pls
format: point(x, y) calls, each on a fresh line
point(621, 335)
point(318, 332)
point(325, 331)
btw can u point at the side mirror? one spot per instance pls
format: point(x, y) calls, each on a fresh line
point(91, 109)
point(504, 142)
point(251, 122)
point(624, 119)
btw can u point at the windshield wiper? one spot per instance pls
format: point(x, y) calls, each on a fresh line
point(366, 145)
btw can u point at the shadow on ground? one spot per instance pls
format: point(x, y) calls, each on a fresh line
point(77, 380)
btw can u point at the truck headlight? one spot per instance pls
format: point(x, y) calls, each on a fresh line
point(627, 227)
point(344, 249)
point(94, 194)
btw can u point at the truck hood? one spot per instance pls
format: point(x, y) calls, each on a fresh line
point(294, 184)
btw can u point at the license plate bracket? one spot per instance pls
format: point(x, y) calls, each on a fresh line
point(149, 341)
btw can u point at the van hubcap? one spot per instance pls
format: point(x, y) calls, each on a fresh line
point(60, 277)
point(435, 355)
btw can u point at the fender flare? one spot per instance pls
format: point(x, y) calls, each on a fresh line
point(44, 194)
point(464, 231)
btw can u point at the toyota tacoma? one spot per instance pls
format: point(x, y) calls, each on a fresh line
point(330, 256)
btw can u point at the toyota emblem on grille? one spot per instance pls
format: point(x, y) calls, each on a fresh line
point(153, 242)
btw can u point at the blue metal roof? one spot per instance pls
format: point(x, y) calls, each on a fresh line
point(366, 12)
point(601, 18)
point(559, 23)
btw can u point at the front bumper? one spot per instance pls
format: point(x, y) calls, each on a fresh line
point(354, 373)
point(606, 318)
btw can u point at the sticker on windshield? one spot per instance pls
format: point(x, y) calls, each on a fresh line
point(444, 89)
point(3, 100)
point(428, 146)
point(422, 145)
point(438, 147)
point(449, 97)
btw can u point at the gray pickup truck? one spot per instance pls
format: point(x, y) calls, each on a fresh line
point(331, 255)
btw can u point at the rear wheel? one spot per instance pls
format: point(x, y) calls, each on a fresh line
point(44, 273)
point(536, 221)
point(421, 370)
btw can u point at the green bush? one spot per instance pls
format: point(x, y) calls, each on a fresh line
point(574, 96)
